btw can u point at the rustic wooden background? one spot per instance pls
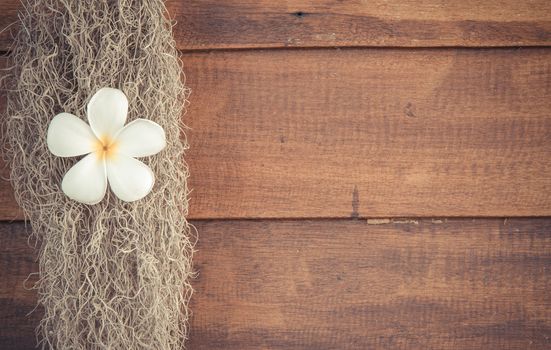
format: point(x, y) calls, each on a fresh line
point(366, 175)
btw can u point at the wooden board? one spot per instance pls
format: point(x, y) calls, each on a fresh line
point(367, 133)
point(344, 284)
point(214, 24)
point(17, 300)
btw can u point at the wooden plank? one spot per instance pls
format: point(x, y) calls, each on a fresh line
point(215, 24)
point(17, 300)
point(379, 23)
point(368, 133)
point(9, 209)
point(344, 284)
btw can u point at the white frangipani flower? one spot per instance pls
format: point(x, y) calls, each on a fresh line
point(110, 148)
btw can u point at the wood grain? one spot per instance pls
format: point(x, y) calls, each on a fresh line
point(367, 133)
point(344, 284)
point(17, 275)
point(215, 24)
point(370, 133)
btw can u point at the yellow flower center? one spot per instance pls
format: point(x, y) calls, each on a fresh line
point(105, 147)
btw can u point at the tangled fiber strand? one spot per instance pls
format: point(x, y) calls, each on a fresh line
point(113, 275)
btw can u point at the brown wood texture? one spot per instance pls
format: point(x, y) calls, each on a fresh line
point(345, 284)
point(213, 24)
point(426, 130)
point(367, 133)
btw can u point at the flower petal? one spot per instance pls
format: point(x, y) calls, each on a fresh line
point(69, 136)
point(129, 178)
point(107, 112)
point(141, 138)
point(86, 181)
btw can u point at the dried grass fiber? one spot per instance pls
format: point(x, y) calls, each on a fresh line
point(113, 275)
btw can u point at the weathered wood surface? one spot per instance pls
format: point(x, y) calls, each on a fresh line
point(355, 133)
point(17, 300)
point(368, 133)
point(344, 284)
point(340, 133)
point(214, 24)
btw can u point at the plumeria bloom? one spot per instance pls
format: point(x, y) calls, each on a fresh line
point(110, 148)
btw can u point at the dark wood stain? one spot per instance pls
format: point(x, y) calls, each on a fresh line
point(355, 203)
point(436, 123)
point(215, 24)
point(342, 116)
point(344, 284)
